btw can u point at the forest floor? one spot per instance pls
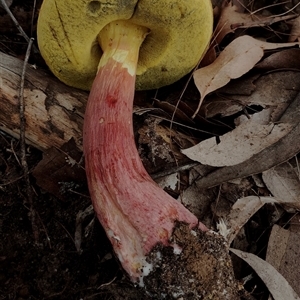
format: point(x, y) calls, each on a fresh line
point(41, 254)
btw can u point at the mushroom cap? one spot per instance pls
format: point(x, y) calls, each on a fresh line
point(180, 31)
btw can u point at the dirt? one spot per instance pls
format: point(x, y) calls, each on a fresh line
point(43, 263)
point(198, 267)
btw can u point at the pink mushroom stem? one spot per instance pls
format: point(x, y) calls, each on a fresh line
point(134, 211)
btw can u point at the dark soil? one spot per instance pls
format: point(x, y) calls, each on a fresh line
point(41, 261)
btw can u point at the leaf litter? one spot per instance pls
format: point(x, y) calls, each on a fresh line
point(239, 57)
point(240, 145)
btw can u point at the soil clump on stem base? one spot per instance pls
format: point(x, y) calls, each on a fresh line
point(196, 267)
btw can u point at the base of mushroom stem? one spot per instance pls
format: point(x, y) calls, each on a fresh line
point(197, 265)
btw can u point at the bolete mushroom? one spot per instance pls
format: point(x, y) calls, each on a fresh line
point(104, 46)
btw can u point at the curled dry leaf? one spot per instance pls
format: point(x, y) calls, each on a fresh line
point(241, 211)
point(283, 254)
point(283, 182)
point(275, 282)
point(277, 153)
point(239, 144)
point(235, 60)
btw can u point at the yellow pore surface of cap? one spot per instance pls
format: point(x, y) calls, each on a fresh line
point(180, 31)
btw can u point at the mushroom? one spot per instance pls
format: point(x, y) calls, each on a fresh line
point(111, 48)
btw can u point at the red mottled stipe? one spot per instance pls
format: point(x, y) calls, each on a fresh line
point(134, 211)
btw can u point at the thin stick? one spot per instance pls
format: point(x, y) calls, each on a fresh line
point(22, 110)
point(24, 164)
point(32, 17)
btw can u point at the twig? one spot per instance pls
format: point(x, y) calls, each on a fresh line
point(68, 233)
point(32, 17)
point(81, 215)
point(298, 168)
point(23, 33)
point(24, 164)
point(262, 23)
point(107, 283)
point(45, 230)
point(12, 150)
point(172, 170)
point(22, 111)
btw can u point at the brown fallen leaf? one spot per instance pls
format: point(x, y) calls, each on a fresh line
point(275, 90)
point(235, 60)
point(229, 14)
point(295, 32)
point(241, 212)
point(238, 145)
point(283, 254)
point(239, 4)
point(285, 59)
point(275, 282)
point(283, 182)
point(59, 171)
point(232, 18)
point(180, 115)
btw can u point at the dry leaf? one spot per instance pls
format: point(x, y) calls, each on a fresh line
point(274, 89)
point(235, 60)
point(275, 282)
point(198, 201)
point(243, 86)
point(169, 181)
point(231, 19)
point(283, 253)
point(241, 211)
point(238, 145)
point(60, 170)
point(228, 16)
point(179, 114)
point(240, 5)
point(283, 182)
point(295, 32)
point(288, 59)
point(286, 148)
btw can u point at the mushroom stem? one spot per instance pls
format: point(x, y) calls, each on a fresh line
point(134, 211)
